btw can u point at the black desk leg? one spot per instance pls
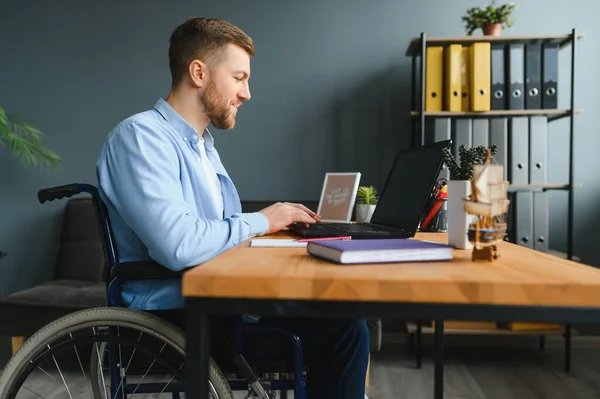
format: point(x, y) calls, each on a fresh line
point(438, 376)
point(419, 337)
point(568, 348)
point(197, 354)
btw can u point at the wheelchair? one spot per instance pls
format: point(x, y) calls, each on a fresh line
point(130, 352)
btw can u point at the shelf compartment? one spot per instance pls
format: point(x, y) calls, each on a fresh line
point(414, 47)
point(552, 114)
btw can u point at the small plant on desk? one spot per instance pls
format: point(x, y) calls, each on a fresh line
point(366, 201)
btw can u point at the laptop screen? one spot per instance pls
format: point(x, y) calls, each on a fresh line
point(409, 185)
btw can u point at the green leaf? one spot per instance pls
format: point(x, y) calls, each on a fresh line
point(25, 142)
point(366, 195)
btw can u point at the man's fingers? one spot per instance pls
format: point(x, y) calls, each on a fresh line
point(304, 208)
point(301, 216)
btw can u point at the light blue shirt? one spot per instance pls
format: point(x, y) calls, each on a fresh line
point(160, 205)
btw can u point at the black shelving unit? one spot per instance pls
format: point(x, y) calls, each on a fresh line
point(417, 51)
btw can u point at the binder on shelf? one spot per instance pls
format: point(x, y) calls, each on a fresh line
point(440, 129)
point(499, 137)
point(462, 134)
point(538, 150)
point(465, 79)
point(550, 76)
point(434, 69)
point(453, 78)
point(541, 222)
point(533, 76)
point(498, 97)
point(480, 76)
point(523, 216)
point(518, 155)
point(515, 64)
point(480, 132)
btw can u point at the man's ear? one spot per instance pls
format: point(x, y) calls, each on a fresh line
point(198, 73)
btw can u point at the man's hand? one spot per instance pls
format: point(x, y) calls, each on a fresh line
point(283, 214)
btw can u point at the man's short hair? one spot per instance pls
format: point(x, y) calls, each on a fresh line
point(204, 39)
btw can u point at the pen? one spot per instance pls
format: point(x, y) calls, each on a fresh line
point(324, 239)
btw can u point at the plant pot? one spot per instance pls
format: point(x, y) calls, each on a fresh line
point(492, 29)
point(458, 219)
point(364, 213)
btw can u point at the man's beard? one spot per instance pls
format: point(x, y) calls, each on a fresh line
point(216, 108)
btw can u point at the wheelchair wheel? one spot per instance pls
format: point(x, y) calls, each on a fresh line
point(148, 347)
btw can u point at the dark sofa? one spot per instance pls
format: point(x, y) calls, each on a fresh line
point(79, 276)
point(78, 280)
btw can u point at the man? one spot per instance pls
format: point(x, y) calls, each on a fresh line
point(171, 200)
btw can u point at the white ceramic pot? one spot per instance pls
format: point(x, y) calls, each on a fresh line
point(458, 219)
point(364, 213)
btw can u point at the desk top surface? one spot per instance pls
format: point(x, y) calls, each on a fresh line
point(520, 276)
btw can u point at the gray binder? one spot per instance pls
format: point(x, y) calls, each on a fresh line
point(550, 76)
point(538, 150)
point(480, 132)
point(523, 216)
point(518, 155)
point(541, 226)
point(439, 129)
point(533, 76)
point(498, 98)
point(462, 134)
point(499, 137)
point(515, 67)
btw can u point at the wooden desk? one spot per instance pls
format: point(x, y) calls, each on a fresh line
point(523, 285)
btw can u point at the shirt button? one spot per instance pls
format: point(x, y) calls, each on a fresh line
point(198, 159)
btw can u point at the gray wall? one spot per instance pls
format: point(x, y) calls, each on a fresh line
point(330, 86)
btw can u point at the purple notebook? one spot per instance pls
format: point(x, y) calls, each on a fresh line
point(380, 250)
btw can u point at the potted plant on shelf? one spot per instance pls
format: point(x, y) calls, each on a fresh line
point(25, 142)
point(366, 201)
point(459, 188)
point(491, 19)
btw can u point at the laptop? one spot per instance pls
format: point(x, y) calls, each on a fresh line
point(401, 203)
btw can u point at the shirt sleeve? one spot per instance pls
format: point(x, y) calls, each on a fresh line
point(139, 173)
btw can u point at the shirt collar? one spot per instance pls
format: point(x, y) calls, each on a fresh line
point(183, 128)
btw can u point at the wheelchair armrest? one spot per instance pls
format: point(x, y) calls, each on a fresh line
point(143, 270)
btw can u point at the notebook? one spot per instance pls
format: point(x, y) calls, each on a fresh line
point(380, 250)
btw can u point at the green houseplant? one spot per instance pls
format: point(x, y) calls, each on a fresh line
point(25, 142)
point(459, 188)
point(463, 170)
point(491, 18)
point(366, 201)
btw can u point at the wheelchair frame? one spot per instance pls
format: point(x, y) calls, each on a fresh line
point(118, 272)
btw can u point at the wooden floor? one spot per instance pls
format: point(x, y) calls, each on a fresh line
point(480, 368)
point(490, 368)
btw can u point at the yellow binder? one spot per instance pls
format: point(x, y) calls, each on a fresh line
point(465, 80)
point(453, 78)
point(434, 78)
point(480, 76)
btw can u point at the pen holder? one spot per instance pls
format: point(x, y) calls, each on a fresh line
point(436, 218)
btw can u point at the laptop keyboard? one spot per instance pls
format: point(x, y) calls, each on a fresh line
point(358, 228)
